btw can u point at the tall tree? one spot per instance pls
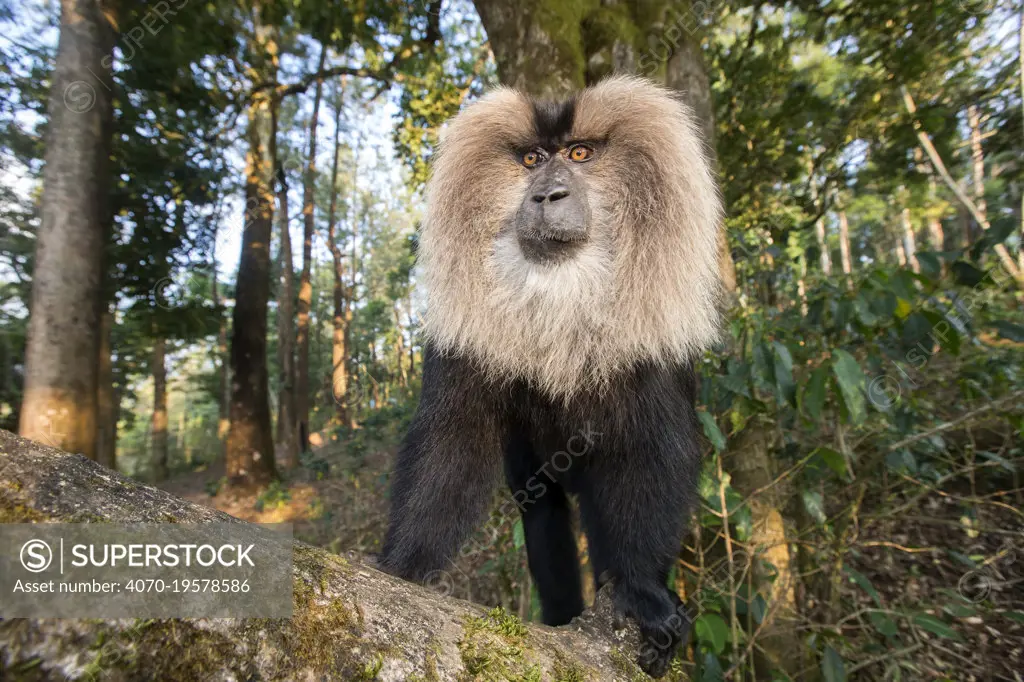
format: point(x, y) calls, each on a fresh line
point(158, 432)
point(820, 236)
point(221, 357)
point(339, 339)
point(60, 398)
point(305, 282)
point(287, 426)
point(249, 455)
point(845, 255)
point(107, 408)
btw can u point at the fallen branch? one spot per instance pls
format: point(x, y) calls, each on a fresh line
point(351, 622)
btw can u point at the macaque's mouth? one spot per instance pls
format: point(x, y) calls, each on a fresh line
point(550, 251)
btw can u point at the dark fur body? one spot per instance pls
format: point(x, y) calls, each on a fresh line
point(629, 453)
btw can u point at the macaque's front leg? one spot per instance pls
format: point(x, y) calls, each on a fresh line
point(445, 471)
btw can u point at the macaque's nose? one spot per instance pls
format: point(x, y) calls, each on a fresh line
point(551, 194)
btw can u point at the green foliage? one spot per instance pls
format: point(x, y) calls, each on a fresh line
point(274, 496)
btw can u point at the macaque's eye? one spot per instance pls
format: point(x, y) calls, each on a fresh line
point(580, 153)
point(531, 159)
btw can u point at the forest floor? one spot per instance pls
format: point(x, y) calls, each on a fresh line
point(933, 581)
point(952, 584)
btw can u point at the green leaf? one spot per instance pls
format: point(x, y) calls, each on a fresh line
point(711, 670)
point(1001, 461)
point(903, 308)
point(783, 364)
point(867, 318)
point(960, 608)
point(712, 630)
point(832, 667)
point(901, 460)
point(967, 275)
point(518, 535)
point(917, 330)
point(758, 608)
point(711, 430)
point(782, 354)
point(814, 503)
point(936, 627)
point(1008, 330)
point(736, 384)
point(884, 624)
point(851, 383)
point(864, 583)
point(943, 331)
point(1016, 616)
point(930, 264)
point(764, 366)
point(813, 398)
point(834, 460)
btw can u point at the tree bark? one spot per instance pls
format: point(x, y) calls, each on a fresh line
point(909, 242)
point(352, 394)
point(936, 238)
point(977, 160)
point(221, 360)
point(824, 255)
point(1020, 65)
point(106, 413)
point(287, 426)
point(250, 448)
point(158, 433)
point(901, 251)
point(685, 73)
point(403, 376)
point(845, 255)
point(339, 339)
point(536, 44)
point(60, 392)
point(305, 283)
point(350, 622)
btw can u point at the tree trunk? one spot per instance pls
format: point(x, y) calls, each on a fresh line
point(1020, 65)
point(906, 234)
point(936, 238)
point(685, 73)
point(339, 338)
point(60, 392)
point(305, 283)
point(287, 427)
point(250, 448)
point(977, 160)
point(844, 249)
point(824, 255)
point(352, 394)
point(412, 337)
point(403, 376)
point(536, 44)
point(158, 433)
point(106, 413)
point(221, 361)
point(909, 242)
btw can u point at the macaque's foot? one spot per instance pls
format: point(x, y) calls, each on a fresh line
point(664, 623)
